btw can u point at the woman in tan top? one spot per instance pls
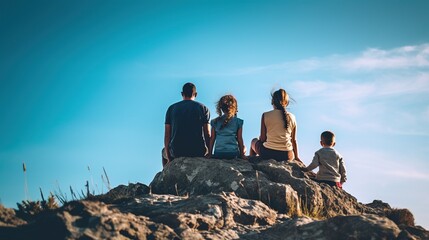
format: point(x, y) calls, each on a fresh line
point(278, 132)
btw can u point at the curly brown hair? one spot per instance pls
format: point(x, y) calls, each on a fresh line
point(228, 106)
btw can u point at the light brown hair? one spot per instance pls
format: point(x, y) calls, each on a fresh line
point(228, 106)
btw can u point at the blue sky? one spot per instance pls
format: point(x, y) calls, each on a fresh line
point(87, 83)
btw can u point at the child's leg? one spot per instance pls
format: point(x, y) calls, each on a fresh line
point(253, 147)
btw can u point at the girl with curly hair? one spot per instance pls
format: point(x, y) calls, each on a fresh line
point(227, 129)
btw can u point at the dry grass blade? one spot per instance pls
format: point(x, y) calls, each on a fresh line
point(107, 179)
point(24, 169)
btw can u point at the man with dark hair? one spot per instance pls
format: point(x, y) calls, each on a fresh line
point(189, 90)
point(187, 129)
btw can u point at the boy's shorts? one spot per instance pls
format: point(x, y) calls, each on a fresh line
point(331, 183)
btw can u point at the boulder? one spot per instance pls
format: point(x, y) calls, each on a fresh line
point(199, 176)
point(210, 212)
point(122, 192)
point(365, 226)
point(280, 185)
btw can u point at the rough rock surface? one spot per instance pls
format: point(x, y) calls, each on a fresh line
point(9, 218)
point(340, 227)
point(198, 198)
point(282, 186)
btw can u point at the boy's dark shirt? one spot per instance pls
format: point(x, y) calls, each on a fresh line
point(187, 118)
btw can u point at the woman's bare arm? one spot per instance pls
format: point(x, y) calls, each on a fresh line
point(240, 143)
point(263, 136)
point(295, 144)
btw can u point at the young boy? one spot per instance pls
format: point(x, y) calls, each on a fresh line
point(331, 165)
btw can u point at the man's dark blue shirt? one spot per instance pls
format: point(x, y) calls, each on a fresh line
point(187, 118)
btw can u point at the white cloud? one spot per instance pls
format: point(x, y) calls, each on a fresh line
point(404, 84)
point(389, 104)
point(397, 58)
point(356, 90)
point(334, 91)
point(372, 59)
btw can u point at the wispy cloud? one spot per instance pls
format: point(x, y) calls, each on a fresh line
point(405, 57)
point(380, 106)
point(380, 163)
point(397, 58)
point(393, 102)
point(369, 60)
point(355, 90)
point(408, 83)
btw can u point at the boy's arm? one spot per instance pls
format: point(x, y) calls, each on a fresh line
point(343, 171)
point(263, 135)
point(295, 144)
point(314, 164)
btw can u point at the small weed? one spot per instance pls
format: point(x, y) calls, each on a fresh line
point(107, 180)
point(60, 195)
point(29, 209)
point(311, 211)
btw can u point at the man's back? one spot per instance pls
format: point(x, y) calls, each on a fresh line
point(187, 118)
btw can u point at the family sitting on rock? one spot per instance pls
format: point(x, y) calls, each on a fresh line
point(187, 134)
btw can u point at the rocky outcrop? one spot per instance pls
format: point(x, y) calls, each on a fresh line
point(198, 198)
point(151, 216)
point(282, 186)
